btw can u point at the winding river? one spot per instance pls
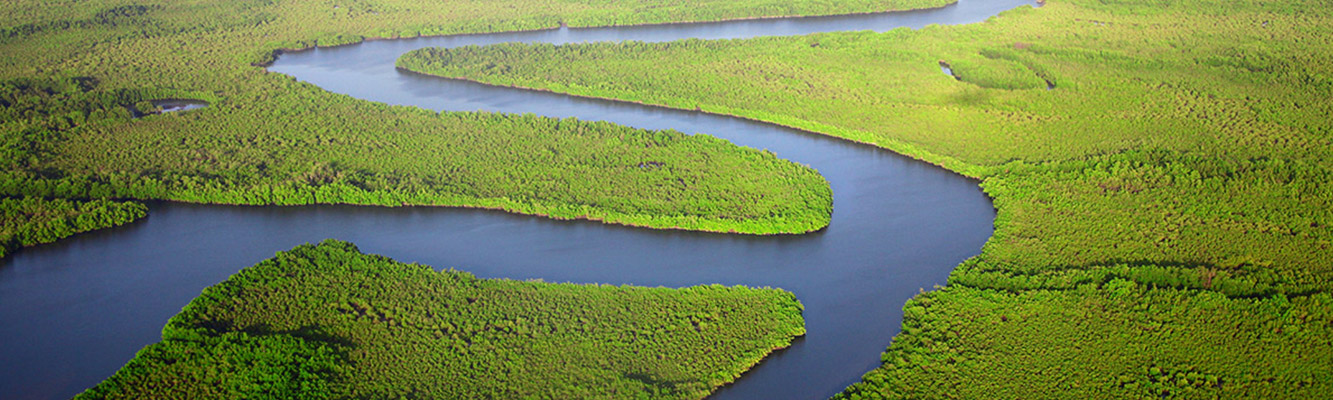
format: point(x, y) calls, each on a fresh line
point(73, 312)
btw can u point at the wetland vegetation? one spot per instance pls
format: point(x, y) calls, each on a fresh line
point(71, 73)
point(1164, 213)
point(29, 221)
point(74, 152)
point(326, 321)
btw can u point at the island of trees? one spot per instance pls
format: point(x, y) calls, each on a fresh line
point(328, 322)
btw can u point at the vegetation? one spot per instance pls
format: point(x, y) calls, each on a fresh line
point(1164, 210)
point(72, 70)
point(325, 321)
point(1122, 340)
point(31, 221)
point(74, 141)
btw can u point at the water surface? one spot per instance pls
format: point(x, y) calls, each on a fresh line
point(73, 312)
point(175, 105)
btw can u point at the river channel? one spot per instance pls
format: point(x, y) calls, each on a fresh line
point(73, 312)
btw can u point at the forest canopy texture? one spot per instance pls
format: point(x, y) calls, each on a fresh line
point(81, 138)
point(29, 221)
point(76, 77)
point(1161, 172)
point(328, 322)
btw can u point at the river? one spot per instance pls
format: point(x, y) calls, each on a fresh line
point(73, 312)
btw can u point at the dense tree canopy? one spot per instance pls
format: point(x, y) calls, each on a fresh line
point(325, 321)
point(72, 70)
point(1178, 151)
point(28, 221)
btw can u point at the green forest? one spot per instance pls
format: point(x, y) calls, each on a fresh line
point(77, 148)
point(1161, 173)
point(328, 322)
point(1160, 170)
point(73, 73)
point(29, 221)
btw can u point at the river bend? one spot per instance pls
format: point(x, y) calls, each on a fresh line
point(75, 311)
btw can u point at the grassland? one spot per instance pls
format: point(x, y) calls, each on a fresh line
point(326, 321)
point(71, 69)
point(1164, 211)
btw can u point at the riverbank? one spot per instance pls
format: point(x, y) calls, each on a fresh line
point(1158, 177)
point(30, 221)
point(264, 133)
point(297, 138)
point(327, 321)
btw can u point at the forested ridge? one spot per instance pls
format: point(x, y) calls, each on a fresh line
point(1161, 173)
point(328, 322)
point(72, 71)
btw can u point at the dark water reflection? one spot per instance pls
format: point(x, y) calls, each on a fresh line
point(174, 105)
point(73, 312)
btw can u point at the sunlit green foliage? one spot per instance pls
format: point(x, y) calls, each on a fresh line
point(1185, 150)
point(30, 221)
point(325, 321)
point(558, 168)
point(71, 69)
point(1123, 340)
